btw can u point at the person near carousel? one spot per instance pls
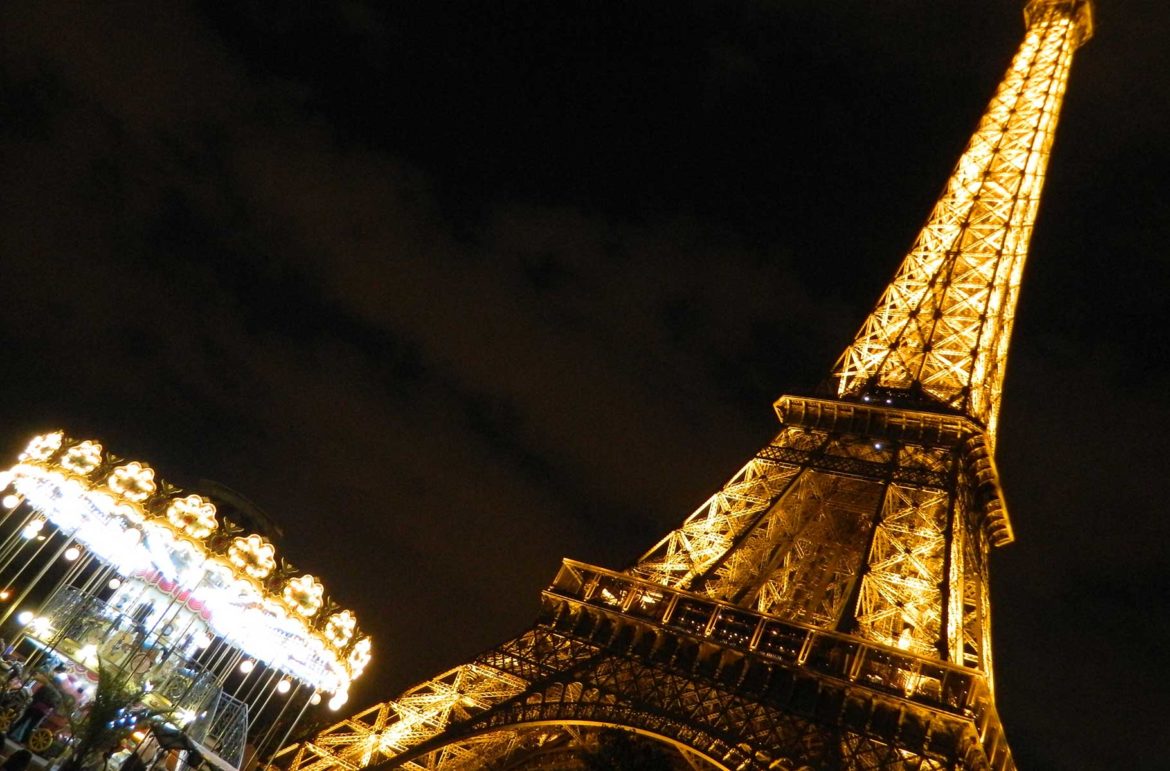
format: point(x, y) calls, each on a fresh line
point(46, 698)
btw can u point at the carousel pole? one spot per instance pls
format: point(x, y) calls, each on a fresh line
point(258, 689)
point(223, 673)
point(236, 694)
point(267, 699)
point(226, 651)
point(76, 613)
point(263, 744)
point(295, 723)
point(44, 543)
point(193, 680)
point(36, 579)
point(16, 541)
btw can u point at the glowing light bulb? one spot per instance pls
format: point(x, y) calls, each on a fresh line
point(247, 665)
point(4, 594)
point(114, 583)
point(72, 553)
point(315, 699)
point(338, 701)
point(10, 501)
point(284, 686)
point(24, 617)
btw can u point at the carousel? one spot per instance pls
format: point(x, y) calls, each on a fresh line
point(109, 574)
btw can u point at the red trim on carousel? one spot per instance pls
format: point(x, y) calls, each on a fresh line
point(171, 589)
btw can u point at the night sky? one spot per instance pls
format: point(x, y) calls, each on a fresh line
point(456, 289)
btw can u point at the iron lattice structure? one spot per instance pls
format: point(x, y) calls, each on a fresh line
point(828, 608)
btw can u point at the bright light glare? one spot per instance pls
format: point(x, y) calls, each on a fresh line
point(10, 501)
point(284, 686)
point(315, 699)
point(24, 617)
point(72, 553)
point(114, 583)
point(338, 701)
point(247, 665)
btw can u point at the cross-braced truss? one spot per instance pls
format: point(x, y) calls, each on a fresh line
point(943, 325)
point(732, 689)
point(866, 533)
point(828, 608)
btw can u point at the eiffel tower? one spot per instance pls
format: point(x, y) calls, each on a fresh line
point(828, 607)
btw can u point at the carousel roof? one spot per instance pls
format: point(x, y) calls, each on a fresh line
point(139, 524)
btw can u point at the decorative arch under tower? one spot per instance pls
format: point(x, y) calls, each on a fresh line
point(828, 607)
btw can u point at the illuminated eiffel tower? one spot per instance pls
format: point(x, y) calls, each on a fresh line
point(828, 608)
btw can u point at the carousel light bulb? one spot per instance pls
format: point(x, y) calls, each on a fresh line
point(247, 665)
point(338, 701)
point(72, 553)
point(284, 686)
point(114, 583)
point(24, 617)
point(4, 594)
point(10, 501)
point(315, 699)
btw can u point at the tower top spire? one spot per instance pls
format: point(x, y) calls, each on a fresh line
point(1080, 11)
point(939, 334)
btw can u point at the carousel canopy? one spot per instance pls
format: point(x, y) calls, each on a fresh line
point(140, 526)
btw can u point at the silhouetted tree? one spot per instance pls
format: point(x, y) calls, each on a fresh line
point(107, 720)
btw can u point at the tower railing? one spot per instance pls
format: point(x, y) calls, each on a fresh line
point(946, 688)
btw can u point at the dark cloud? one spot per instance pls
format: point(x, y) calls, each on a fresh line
point(456, 289)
